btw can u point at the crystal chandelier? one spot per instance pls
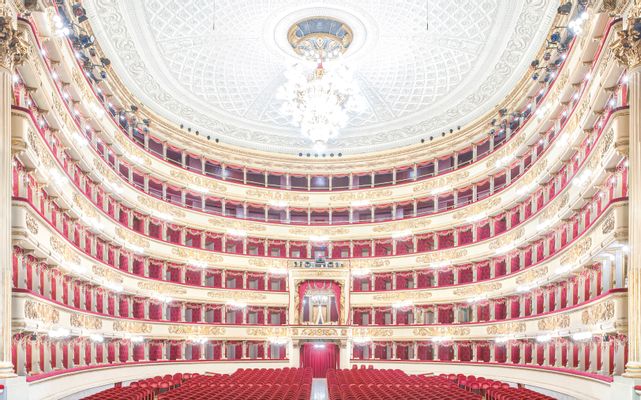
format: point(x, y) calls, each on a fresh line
point(320, 92)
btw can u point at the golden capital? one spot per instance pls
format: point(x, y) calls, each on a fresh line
point(627, 45)
point(13, 45)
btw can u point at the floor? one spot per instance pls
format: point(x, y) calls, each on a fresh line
point(319, 389)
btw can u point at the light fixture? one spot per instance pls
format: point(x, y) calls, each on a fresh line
point(319, 93)
point(360, 271)
point(278, 271)
point(402, 304)
point(237, 232)
point(137, 339)
point(96, 338)
point(401, 234)
point(439, 339)
point(543, 338)
point(581, 336)
point(361, 340)
point(360, 203)
point(58, 333)
point(236, 304)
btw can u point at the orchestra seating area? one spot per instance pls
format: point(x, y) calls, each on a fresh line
point(361, 384)
point(259, 384)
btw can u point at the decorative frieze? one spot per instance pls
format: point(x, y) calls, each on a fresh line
point(411, 224)
point(273, 195)
point(444, 182)
point(442, 331)
point(41, 312)
point(576, 252)
point(107, 273)
point(554, 322)
point(531, 275)
point(196, 330)
point(440, 256)
point(236, 295)
point(131, 327)
point(267, 331)
point(195, 181)
point(506, 240)
point(478, 289)
point(507, 328)
point(85, 321)
point(366, 195)
point(318, 231)
point(372, 332)
point(598, 313)
point(400, 296)
point(32, 225)
point(64, 250)
point(162, 288)
point(160, 206)
point(131, 238)
point(478, 208)
point(196, 256)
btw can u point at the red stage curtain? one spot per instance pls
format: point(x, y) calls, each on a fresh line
point(320, 357)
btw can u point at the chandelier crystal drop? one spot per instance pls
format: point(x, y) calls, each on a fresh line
point(320, 92)
point(319, 101)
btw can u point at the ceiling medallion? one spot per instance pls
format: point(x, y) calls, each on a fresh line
point(320, 93)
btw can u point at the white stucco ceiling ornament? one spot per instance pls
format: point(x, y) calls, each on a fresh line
point(415, 81)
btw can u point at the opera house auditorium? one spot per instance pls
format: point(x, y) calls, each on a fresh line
point(320, 200)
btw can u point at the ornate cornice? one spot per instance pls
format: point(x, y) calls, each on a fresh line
point(627, 46)
point(14, 49)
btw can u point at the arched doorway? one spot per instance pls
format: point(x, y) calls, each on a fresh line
point(320, 357)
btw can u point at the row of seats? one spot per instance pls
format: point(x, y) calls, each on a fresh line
point(258, 383)
point(372, 384)
point(515, 394)
point(145, 389)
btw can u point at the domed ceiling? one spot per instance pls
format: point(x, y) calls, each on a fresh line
point(216, 65)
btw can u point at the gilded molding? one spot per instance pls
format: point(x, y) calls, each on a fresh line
point(506, 328)
point(194, 255)
point(552, 209)
point(607, 225)
point(439, 256)
point(267, 331)
point(318, 231)
point(413, 224)
point(131, 327)
point(531, 275)
point(478, 289)
point(554, 322)
point(41, 312)
point(317, 332)
point(399, 296)
point(236, 295)
point(362, 263)
point(443, 182)
point(163, 288)
point(131, 238)
point(578, 251)
point(627, 45)
point(14, 48)
point(442, 331)
point(197, 181)
point(372, 332)
point(85, 321)
point(269, 195)
point(229, 223)
point(160, 206)
point(64, 250)
point(598, 313)
point(506, 239)
point(32, 224)
point(107, 273)
point(477, 208)
point(505, 151)
point(87, 208)
point(196, 330)
point(132, 150)
point(372, 195)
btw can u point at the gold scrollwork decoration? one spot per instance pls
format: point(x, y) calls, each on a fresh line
point(598, 313)
point(576, 252)
point(506, 328)
point(554, 322)
point(107, 273)
point(193, 255)
point(439, 256)
point(474, 290)
point(531, 275)
point(41, 312)
point(400, 296)
point(442, 331)
point(131, 327)
point(32, 225)
point(236, 295)
point(196, 330)
point(372, 332)
point(267, 331)
point(163, 288)
point(85, 321)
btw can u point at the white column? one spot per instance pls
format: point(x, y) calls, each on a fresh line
point(13, 52)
